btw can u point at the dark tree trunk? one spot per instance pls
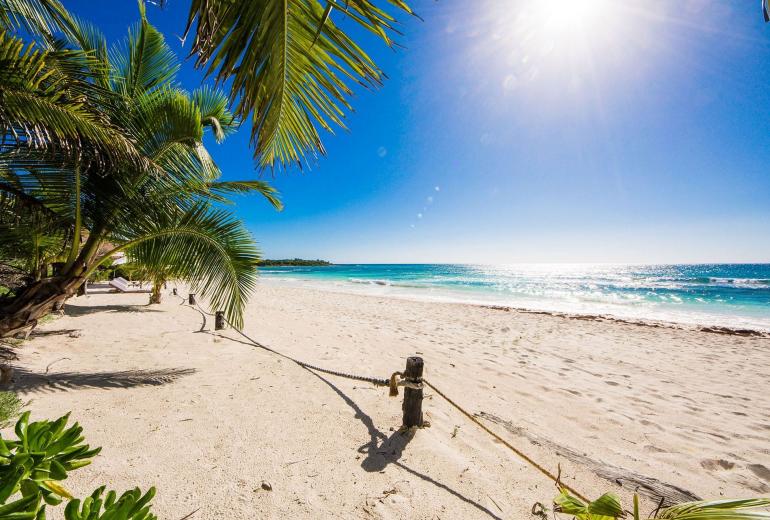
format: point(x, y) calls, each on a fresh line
point(34, 302)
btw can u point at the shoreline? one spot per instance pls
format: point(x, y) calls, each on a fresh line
point(756, 332)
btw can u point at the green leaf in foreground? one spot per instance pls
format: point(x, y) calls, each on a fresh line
point(608, 507)
point(131, 505)
point(41, 457)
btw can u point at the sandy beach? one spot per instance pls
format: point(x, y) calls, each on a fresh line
point(208, 418)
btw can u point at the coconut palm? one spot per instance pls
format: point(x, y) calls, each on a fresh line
point(108, 147)
point(290, 66)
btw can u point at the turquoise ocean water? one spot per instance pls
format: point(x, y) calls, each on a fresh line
point(731, 295)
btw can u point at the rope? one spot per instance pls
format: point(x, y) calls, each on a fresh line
point(508, 445)
point(373, 380)
point(204, 312)
point(390, 382)
point(393, 383)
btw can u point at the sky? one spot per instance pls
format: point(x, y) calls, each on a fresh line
point(513, 131)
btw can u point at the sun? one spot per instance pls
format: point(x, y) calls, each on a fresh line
point(566, 18)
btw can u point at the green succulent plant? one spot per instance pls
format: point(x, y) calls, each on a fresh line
point(131, 505)
point(41, 457)
point(33, 465)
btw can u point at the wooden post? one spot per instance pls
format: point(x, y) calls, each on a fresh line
point(174, 291)
point(191, 299)
point(83, 289)
point(6, 375)
point(219, 320)
point(412, 406)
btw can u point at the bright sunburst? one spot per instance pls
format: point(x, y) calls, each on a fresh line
point(565, 17)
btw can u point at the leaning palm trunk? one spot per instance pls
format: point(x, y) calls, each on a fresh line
point(34, 302)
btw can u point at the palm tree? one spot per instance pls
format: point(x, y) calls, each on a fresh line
point(108, 148)
point(69, 114)
point(290, 66)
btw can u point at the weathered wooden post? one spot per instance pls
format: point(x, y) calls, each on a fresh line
point(173, 291)
point(219, 320)
point(191, 299)
point(6, 375)
point(412, 405)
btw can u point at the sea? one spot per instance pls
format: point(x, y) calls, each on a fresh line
point(736, 296)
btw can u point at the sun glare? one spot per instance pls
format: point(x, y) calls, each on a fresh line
point(565, 17)
point(551, 45)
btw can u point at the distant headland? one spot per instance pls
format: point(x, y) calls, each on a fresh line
point(292, 262)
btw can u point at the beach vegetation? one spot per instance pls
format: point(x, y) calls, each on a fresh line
point(609, 507)
point(102, 149)
point(10, 406)
point(33, 466)
point(104, 154)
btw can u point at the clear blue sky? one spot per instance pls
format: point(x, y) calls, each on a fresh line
point(516, 131)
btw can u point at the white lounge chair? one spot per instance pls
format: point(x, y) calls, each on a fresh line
point(122, 285)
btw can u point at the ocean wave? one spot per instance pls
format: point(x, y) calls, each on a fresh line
point(387, 283)
point(369, 282)
point(727, 281)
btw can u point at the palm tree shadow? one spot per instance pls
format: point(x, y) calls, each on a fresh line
point(83, 310)
point(26, 381)
point(58, 332)
point(382, 450)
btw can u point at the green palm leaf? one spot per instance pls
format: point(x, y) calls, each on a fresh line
point(39, 17)
point(144, 61)
point(289, 64)
point(211, 250)
point(45, 105)
point(729, 509)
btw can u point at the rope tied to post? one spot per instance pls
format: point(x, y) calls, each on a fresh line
point(373, 380)
point(397, 379)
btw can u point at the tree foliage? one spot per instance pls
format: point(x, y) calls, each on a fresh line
point(102, 152)
point(289, 64)
point(608, 507)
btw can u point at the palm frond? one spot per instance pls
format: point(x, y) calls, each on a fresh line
point(215, 113)
point(729, 509)
point(144, 61)
point(45, 105)
point(209, 249)
point(608, 507)
point(218, 191)
point(37, 17)
point(289, 65)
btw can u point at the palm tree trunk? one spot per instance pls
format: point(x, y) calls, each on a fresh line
point(155, 295)
point(34, 302)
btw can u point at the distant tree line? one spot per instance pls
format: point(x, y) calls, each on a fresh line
point(292, 262)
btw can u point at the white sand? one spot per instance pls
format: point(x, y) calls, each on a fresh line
point(211, 419)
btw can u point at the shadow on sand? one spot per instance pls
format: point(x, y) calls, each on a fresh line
point(382, 450)
point(83, 310)
point(32, 382)
point(57, 332)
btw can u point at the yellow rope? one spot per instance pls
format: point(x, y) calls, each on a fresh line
point(393, 384)
point(518, 452)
